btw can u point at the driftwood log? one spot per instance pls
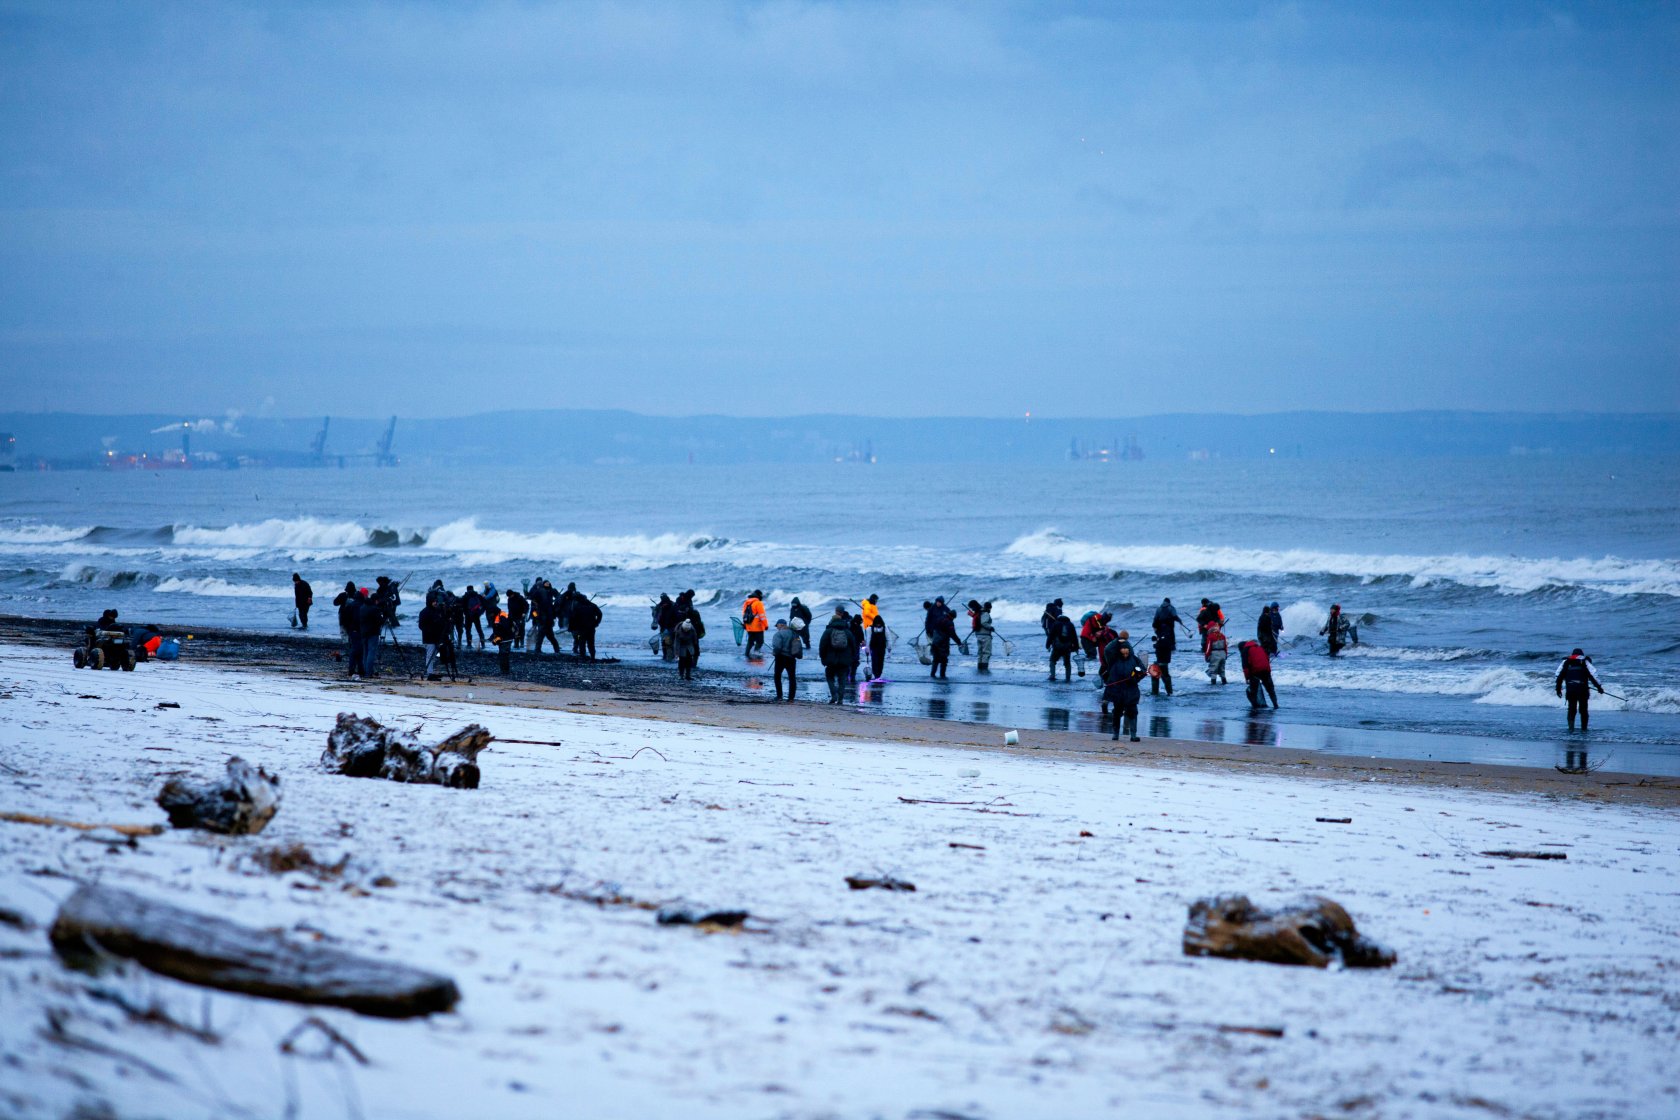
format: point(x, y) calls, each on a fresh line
point(1313, 931)
point(242, 801)
point(216, 953)
point(362, 747)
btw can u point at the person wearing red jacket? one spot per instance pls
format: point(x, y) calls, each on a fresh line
point(1257, 671)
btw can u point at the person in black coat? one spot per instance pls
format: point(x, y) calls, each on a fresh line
point(501, 636)
point(545, 608)
point(434, 635)
point(370, 618)
point(799, 610)
point(303, 596)
point(518, 609)
point(473, 606)
point(1120, 687)
point(877, 648)
point(834, 649)
point(1267, 629)
point(348, 603)
point(665, 619)
point(854, 623)
point(1574, 677)
point(1166, 641)
point(1063, 639)
point(586, 616)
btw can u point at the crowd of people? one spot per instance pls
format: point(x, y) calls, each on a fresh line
point(853, 644)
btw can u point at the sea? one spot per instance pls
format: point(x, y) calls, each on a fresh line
point(1470, 578)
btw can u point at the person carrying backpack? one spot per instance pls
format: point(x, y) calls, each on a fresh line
point(754, 622)
point(1257, 671)
point(835, 651)
point(1063, 639)
point(472, 605)
point(1574, 677)
point(1120, 688)
point(1214, 649)
point(686, 644)
point(786, 648)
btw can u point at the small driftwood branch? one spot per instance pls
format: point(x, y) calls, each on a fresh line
point(84, 826)
point(1507, 853)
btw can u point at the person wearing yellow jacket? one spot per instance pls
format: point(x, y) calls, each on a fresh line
point(755, 622)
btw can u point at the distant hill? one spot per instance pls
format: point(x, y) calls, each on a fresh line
point(564, 436)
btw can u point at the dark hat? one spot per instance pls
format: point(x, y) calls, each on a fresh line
point(1577, 652)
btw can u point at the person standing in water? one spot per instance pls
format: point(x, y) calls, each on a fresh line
point(1257, 671)
point(754, 622)
point(1063, 639)
point(1339, 630)
point(303, 596)
point(1120, 688)
point(1166, 641)
point(799, 612)
point(1214, 649)
point(980, 626)
point(1574, 677)
point(835, 651)
point(686, 643)
point(877, 649)
point(1268, 627)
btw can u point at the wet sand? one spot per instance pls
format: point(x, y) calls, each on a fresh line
point(649, 692)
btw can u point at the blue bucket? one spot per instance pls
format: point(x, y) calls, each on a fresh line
point(168, 649)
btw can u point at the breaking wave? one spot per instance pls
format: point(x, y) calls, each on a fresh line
point(276, 533)
point(633, 552)
point(1511, 574)
point(35, 533)
point(221, 588)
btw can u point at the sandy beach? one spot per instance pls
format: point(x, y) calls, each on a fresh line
point(1036, 969)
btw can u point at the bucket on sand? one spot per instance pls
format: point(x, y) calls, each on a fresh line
point(1011, 738)
point(168, 650)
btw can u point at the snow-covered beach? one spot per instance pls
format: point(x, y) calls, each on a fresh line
point(1035, 971)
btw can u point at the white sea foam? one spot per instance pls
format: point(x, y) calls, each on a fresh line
point(635, 552)
point(222, 589)
point(1513, 574)
point(276, 533)
point(36, 533)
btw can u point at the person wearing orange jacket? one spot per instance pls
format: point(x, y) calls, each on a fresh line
point(870, 610)
point(755, 622)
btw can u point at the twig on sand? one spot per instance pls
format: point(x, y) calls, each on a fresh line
point(84, 826)
point(288, 1044)
point(621, 757)
point(937, 801)
point(534, 742)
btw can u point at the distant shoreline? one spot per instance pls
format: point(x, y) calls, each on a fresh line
point(641, 691)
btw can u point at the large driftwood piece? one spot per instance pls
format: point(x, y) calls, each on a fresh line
point(216, 953)
point(362, 747)
point(1313, 931)
point(242, 801)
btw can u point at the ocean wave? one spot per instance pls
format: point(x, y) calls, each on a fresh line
point(1512, 574)
point(1500, 686)
point(38, 533)
point(221, 588)
point(282, 534)
point(633, 552)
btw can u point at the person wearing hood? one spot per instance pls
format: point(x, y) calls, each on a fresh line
point(1209, 615)
point(472, 602)
point(939, 648)
point(980, 627)
point(1047, 620)
point(349, 623)
point(834, 648)
point(1120, 687)
point(685, 643)
point(800, 612)
point(1574, 677)
point(1063, 639)
point(1091, 627)
point(1339, 630)
point(1214, 649)
point(544, 612)
point(436, 592)
point(434, 635)
point(1267, 629)
point(877, 649)
point(1166, 641)
point(586, 616)
point(786, 648)
point(860, 638)
point(665, 619)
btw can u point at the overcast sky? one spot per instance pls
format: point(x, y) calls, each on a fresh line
point(897, 209)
